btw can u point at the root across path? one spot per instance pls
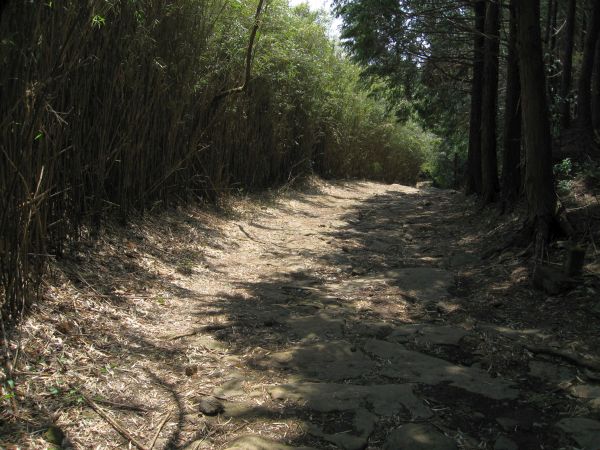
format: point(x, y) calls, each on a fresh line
point(348, 315)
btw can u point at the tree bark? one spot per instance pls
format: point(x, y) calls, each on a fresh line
point(549, 13)
point(539, 182)
point(489, 160)
point(3, 4)
point(551, 55)
point(511, 157)
point(596, 91)
point(473, 182)
point(553, 29)
point(584, 104)
point(567, 66)
point(583, 28)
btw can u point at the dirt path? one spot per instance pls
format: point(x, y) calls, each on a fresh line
point(346, 317)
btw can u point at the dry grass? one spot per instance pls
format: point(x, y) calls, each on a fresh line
point(149, 318)
point(103, 329)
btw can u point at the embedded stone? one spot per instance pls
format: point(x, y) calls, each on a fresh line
point(412, 366)
point(210, 406)
point(383, 400)
point(582, 430)
point(428, 334)
point(260, 443)
point(415, 436)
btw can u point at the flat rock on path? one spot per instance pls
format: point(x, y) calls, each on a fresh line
point(383, 400)
point(210, 406)
point(418, 437)
point(415, 366)
point(314, 339)
point(584, 431)
point(427, 334)
point(363, 424)
point(587, 392)
point(337, 361)
point(316, 326)
point(260, 443)
point(504, 443)
point(330, 361)
point(423, 284)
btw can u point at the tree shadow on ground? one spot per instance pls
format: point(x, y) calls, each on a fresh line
point(90, 330)
point(278, 328)
point(354, 294)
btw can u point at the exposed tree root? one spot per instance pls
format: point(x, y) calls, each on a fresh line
point(112, 422)
point(574, 359)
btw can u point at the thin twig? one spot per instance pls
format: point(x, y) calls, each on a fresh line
point(249, 52)
point(179, 336)
point(206, 328)
point(89, 285)
point(158, 430)
point(123, 406)
point(116, 425)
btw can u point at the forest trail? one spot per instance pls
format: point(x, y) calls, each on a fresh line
point(350, 315)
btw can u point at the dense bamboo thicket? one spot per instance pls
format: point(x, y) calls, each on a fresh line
point(109, 107)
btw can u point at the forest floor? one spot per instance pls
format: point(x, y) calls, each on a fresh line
point(343, 315)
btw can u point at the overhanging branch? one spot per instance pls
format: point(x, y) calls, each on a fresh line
point(249, 50)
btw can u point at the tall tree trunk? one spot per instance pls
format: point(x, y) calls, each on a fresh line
point(539, 182)
point(473, 181)
point(567, 66)
point(489, 161)
point(551, 54)
point(583, 29)
point(596, 92)
point(584, 104)
point(548, 32)
point(553, 30)
point(511, 157)
point(3, 4)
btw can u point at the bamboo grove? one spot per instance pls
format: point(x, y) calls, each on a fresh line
point(109, 108)
point(114, 107)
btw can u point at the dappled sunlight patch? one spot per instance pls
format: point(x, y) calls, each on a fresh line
point(294, 326)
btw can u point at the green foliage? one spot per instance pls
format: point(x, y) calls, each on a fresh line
point(445, 161)
point(417, 49)
point(98, 21)
point(590, 173)
point(7, 391)
point(563, 169)
point(567, 173)
point(363, 137)
point(109, 107)
point(563, 174)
